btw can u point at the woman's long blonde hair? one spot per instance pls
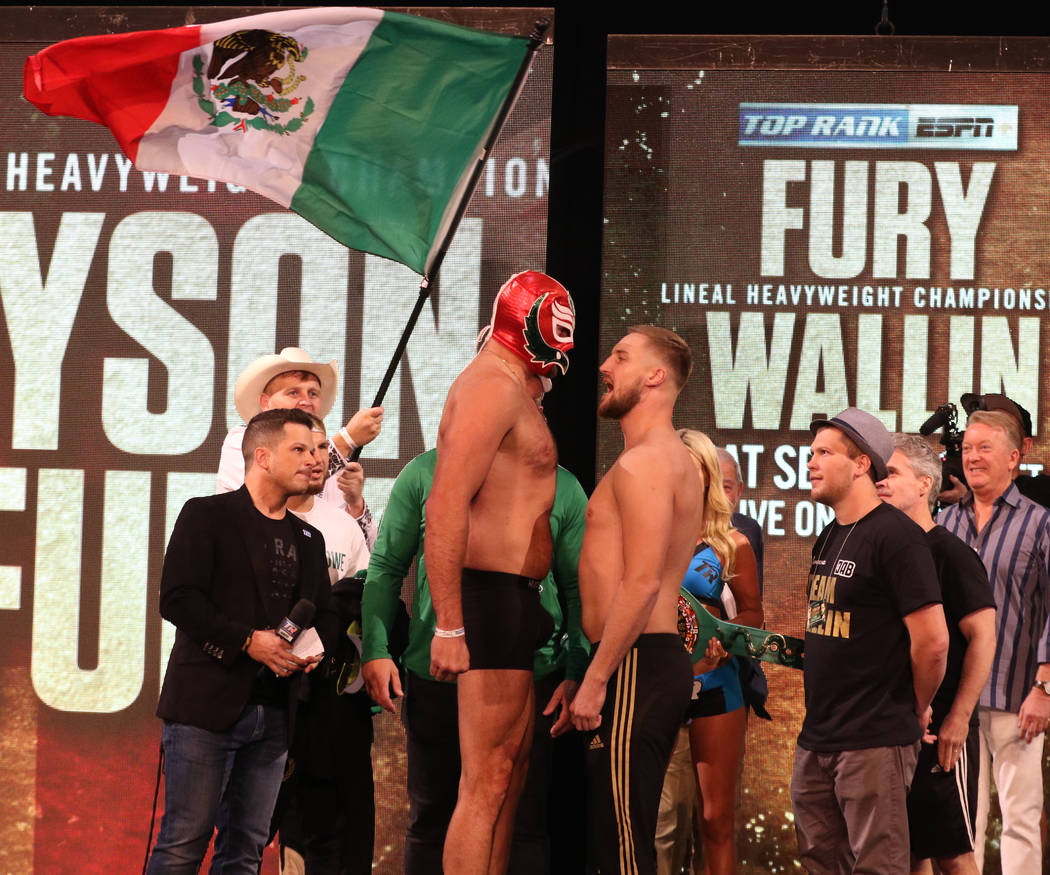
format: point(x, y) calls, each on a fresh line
point(715, 530)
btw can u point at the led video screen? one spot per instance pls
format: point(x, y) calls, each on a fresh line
point(828, 222)
point(131, 302)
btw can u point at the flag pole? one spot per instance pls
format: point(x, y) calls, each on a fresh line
point(535, 41)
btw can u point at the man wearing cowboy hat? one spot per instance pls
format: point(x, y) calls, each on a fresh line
point(292, 379)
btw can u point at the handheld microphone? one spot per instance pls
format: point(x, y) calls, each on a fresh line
point(299, 617)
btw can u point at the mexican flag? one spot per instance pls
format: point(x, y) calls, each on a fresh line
point(364, 122)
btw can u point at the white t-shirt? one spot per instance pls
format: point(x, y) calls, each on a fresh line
point(231, 462)
point(344, 544)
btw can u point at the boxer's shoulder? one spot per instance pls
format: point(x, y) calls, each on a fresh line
point(484, 384)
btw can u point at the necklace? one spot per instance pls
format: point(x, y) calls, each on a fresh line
point(507, 369)
point(842, 546)
point(818, 607)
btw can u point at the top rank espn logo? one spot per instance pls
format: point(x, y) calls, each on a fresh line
point(961, 126)
point(878, 126)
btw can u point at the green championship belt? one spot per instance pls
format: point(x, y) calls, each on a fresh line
point(697, 626)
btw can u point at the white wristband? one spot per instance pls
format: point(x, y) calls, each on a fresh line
point(450, 633)
point(345, 435)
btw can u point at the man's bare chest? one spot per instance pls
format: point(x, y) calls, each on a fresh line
point(530, 445)
point(602, 516)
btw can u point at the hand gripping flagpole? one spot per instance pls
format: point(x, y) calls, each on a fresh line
point(535, 41)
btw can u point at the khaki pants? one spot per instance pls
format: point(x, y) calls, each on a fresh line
point(1017, 769)
point(676, 824)
point(851, 809)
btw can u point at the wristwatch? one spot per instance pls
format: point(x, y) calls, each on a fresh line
point(1043, 685)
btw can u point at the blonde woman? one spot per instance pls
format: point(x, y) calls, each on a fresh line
point(723, 557)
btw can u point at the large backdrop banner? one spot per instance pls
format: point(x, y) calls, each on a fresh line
point(130, 303)
point(828, 222)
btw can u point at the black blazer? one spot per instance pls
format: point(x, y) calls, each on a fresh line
point(213, 590)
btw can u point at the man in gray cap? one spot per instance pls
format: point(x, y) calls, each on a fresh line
point(876, 644)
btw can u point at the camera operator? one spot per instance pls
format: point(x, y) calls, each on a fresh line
point(1033, 486)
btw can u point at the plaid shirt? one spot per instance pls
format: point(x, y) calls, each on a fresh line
point(1015, 548)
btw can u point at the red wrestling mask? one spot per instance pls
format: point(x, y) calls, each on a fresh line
point(533, 316)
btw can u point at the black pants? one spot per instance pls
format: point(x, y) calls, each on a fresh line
point(327, 807)
point(627, 754)
point(430, 716)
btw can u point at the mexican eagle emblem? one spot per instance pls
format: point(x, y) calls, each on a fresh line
point(251, 82)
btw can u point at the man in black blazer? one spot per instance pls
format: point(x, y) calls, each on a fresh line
point(235, 566)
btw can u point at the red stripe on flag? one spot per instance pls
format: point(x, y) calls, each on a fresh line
point(121, 81)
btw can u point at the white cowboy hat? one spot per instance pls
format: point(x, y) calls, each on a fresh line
point(253, 379)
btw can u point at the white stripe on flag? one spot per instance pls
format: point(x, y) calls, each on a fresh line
point(334, 44)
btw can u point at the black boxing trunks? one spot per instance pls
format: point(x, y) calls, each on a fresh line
point(504, 621)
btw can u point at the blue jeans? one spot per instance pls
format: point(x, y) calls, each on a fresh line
point(241, 767)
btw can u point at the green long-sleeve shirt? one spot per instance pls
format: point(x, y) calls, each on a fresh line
point(401, 541)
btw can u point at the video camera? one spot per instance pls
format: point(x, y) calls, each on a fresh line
point(946, 416)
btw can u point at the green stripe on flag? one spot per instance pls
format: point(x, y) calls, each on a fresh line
point(401, 132)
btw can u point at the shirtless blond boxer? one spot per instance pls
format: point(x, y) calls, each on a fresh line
point(487, 547)
point(641, 531)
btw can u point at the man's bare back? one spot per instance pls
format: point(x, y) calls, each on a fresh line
point(663, 466)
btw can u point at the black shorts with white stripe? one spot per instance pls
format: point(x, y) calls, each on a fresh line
point(942, 806)
point(627, 755)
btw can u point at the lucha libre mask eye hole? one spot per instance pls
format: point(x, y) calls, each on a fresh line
point(563, 321)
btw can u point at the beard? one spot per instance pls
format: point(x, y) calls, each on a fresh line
point(830, 492)
point(613, 406)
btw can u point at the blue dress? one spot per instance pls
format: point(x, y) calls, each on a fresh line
point(718, 691)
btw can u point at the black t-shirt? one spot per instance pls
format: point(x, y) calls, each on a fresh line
point(865, 578)
point(753, 532)
point(1035, 487)
point(964, 589)
point(282, 564)
point(275, 539)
